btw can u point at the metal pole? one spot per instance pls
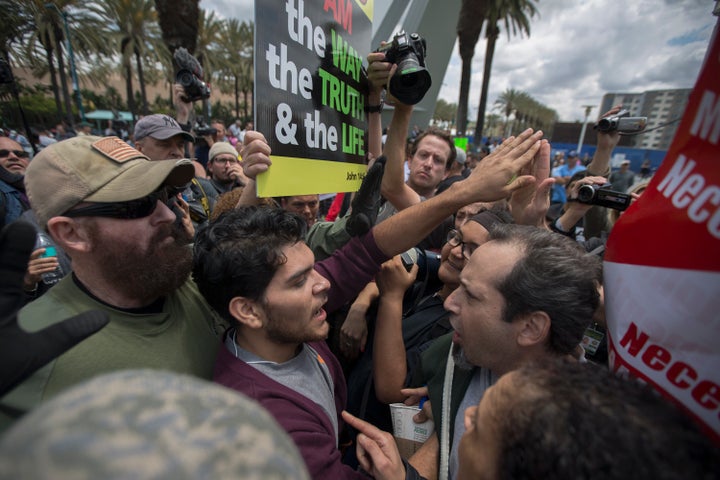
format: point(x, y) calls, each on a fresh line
point(73, 72)
point(588, 108)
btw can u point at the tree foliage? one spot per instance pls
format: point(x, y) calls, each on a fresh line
point(514, 15)
point(133, 37)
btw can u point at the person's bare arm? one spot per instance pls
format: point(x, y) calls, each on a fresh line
point(607, 141)
point(495, 178)
point(377, 77)
point(389, 358)
point(393, 186)
point(596, 217)
point(353, 333)
point(183, 109)
point(575, 210)
point(426, 459)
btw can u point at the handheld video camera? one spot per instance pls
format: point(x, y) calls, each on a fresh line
point(190, 76)
point(411, 80)
point(621, 122)
point(202, 129)
point(602, 195)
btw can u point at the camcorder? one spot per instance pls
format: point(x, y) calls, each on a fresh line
point(202, 129)
point(603, 196)
point(190, 76)
point(624, 124)
point(411, 80)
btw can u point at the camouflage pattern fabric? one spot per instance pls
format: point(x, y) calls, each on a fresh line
point(145, 424)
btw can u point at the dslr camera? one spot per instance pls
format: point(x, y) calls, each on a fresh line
point(190, 76)
point(411, 80)
point(621, 122)
point(428, 262)
point(602, 195)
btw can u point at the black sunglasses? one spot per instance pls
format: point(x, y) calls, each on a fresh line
point(132, 209)
point(18, 153)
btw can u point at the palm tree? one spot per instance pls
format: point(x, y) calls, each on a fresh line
point(15, 25)
point(507, 102)
point(514, 14)
point(206, 49)
point(43, 43)
point(235, 43)
point(472, 17)
point(133, 24)
point(43, 46)
point(179, 23)
point(247, 77)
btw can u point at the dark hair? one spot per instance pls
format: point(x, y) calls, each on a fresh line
point(580, 421)
point(437, 133)
point(555, 276)
point(238, 254)
point(497, 213)
point(577, 176)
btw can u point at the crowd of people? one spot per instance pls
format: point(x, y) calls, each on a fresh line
point(171, 262)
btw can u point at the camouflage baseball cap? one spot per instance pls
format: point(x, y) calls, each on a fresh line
point(96, 169)
point(160, 127)
point(145, 424)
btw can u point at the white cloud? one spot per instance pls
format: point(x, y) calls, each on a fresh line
point(578, 51)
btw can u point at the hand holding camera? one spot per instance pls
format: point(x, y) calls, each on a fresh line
point(190, 76)
point(409, 81)
point(591, 191)
point(621, 123)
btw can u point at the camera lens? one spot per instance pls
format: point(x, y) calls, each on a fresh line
point(185, 78)
point(586, 193)
point(411, 81)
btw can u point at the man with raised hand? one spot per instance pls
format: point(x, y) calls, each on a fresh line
point(255, 270)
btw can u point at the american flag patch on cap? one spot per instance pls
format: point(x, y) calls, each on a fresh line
point(116, 149)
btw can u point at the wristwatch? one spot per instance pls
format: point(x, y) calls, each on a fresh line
point(375, 108)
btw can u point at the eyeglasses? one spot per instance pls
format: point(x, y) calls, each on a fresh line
point(132, 209)
point(454, 238)
point(18, 153)
point(225, 160)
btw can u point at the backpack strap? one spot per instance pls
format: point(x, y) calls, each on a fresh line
point(445, 420)
point(203, 199)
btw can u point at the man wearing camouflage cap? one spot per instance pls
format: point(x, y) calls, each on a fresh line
point(104, 203)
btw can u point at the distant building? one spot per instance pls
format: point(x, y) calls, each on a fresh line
point(659, 106)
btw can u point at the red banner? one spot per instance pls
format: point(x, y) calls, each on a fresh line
point(662, 264)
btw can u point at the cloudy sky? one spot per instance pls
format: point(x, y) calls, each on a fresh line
point(578, 50)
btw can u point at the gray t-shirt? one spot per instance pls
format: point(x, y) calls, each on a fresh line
point(482, 380)
point(303, 374)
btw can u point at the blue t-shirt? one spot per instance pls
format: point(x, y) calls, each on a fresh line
point(558, 191)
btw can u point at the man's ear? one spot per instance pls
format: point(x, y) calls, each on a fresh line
point(70, 235)
point(247, 312)
point(534, 329)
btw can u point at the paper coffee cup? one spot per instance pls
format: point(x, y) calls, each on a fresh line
point(408, 434)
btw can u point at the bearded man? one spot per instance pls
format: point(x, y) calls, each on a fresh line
point(106, 205)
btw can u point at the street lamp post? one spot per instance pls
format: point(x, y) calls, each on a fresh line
point(587, 108)
point(73, 72)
